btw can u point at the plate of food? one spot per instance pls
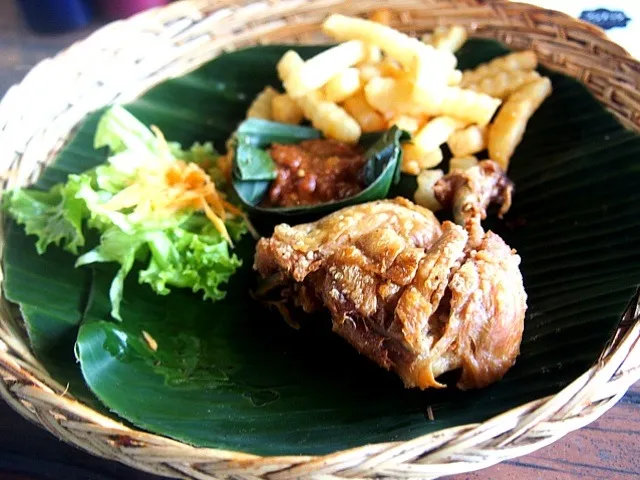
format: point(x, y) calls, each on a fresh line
point(394, 248)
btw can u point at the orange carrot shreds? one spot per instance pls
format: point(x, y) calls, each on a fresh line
point(168, 185)
point(236, 211)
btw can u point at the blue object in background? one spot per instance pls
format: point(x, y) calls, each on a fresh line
point(48, 16)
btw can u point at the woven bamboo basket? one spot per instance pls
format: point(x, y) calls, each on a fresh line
point(124, 59)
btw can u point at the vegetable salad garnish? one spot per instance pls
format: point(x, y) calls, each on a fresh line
point(152, 201)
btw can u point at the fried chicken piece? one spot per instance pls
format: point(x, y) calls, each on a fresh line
point(469, 192)
point(416, 297)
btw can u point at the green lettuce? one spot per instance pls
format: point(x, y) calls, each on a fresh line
point(182, 251)
point(55, 217)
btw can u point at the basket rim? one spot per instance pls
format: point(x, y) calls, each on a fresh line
point(26, 386)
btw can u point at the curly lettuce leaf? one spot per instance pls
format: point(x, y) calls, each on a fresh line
point(54, 216)
point(176, 257)
point(121, 131)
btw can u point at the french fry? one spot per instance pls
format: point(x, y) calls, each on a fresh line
point(285, 110)
point(454, 78)
point(432, 68)
point(465, 105)
point(462, 163)
point(392, 96)
point(392, 42)
point(424, 150)
point(368, 118)
point(434, 133)
point(447, 38)
point(424, 195)
point(261, 105)
point(373, 54)
point(508, 128)
point(398, 96)
point(368, 71)
point(415, 160)
point(467, 141)
point(390, 68)
point(318, 70)
point(503, 84)
point(289, 63)
point(382, 16)
point(332, 120)
point(525, 60)
point(343, 85)
point(405, 122)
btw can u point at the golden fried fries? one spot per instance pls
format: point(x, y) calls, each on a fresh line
point(424, 195)
point(392, 96)
point(392, 42)
point(342, 86)
point(435, 132)
point(467, 141)
point(261, 105)
point(472, 107)
point(285, 110)
point(447, 38)
point(503, 84)
point(405, 122)
point(465, 105)
point(369, 119)
point(317, 71)
point(414, 160)
point(380, 77)
point(289, 63)
point(373, 54)
point(454, 78)
point(508, 128)
point(525, 60)
point(432, 69)
point(424, 150)
point(332, 120)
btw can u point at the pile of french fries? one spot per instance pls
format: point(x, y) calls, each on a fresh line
point(379, 77)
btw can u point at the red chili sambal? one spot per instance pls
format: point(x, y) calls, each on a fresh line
point(315, 171)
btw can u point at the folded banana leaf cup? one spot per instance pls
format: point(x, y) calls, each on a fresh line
point(253, 169)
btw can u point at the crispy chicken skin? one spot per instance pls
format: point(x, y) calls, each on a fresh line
point(417, 297)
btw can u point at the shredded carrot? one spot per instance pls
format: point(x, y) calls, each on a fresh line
point(171, 185)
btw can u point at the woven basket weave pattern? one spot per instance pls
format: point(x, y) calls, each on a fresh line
point(124, 59)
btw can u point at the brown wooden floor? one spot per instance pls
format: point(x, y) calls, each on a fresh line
point(607, 449)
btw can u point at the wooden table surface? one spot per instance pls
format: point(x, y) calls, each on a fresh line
point(607, 449)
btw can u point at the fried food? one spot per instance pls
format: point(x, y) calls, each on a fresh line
point(447, 38)
point(379, 77)
point(416, 297)
point(369, 119)
point(465, 105)
point(342, 86)
point(469, 192)
point(317, 71)
point(468, 141)
point(424, 194)
point(331, 119)
point(261, 105)
point(507, 130)
point(503, 84)
point(525, 60)
point(414, 160)
point(284, 109)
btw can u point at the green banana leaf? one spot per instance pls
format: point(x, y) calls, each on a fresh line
point(254, 169)
point(234, 375)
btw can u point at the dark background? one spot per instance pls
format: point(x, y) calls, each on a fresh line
point(608, 448)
